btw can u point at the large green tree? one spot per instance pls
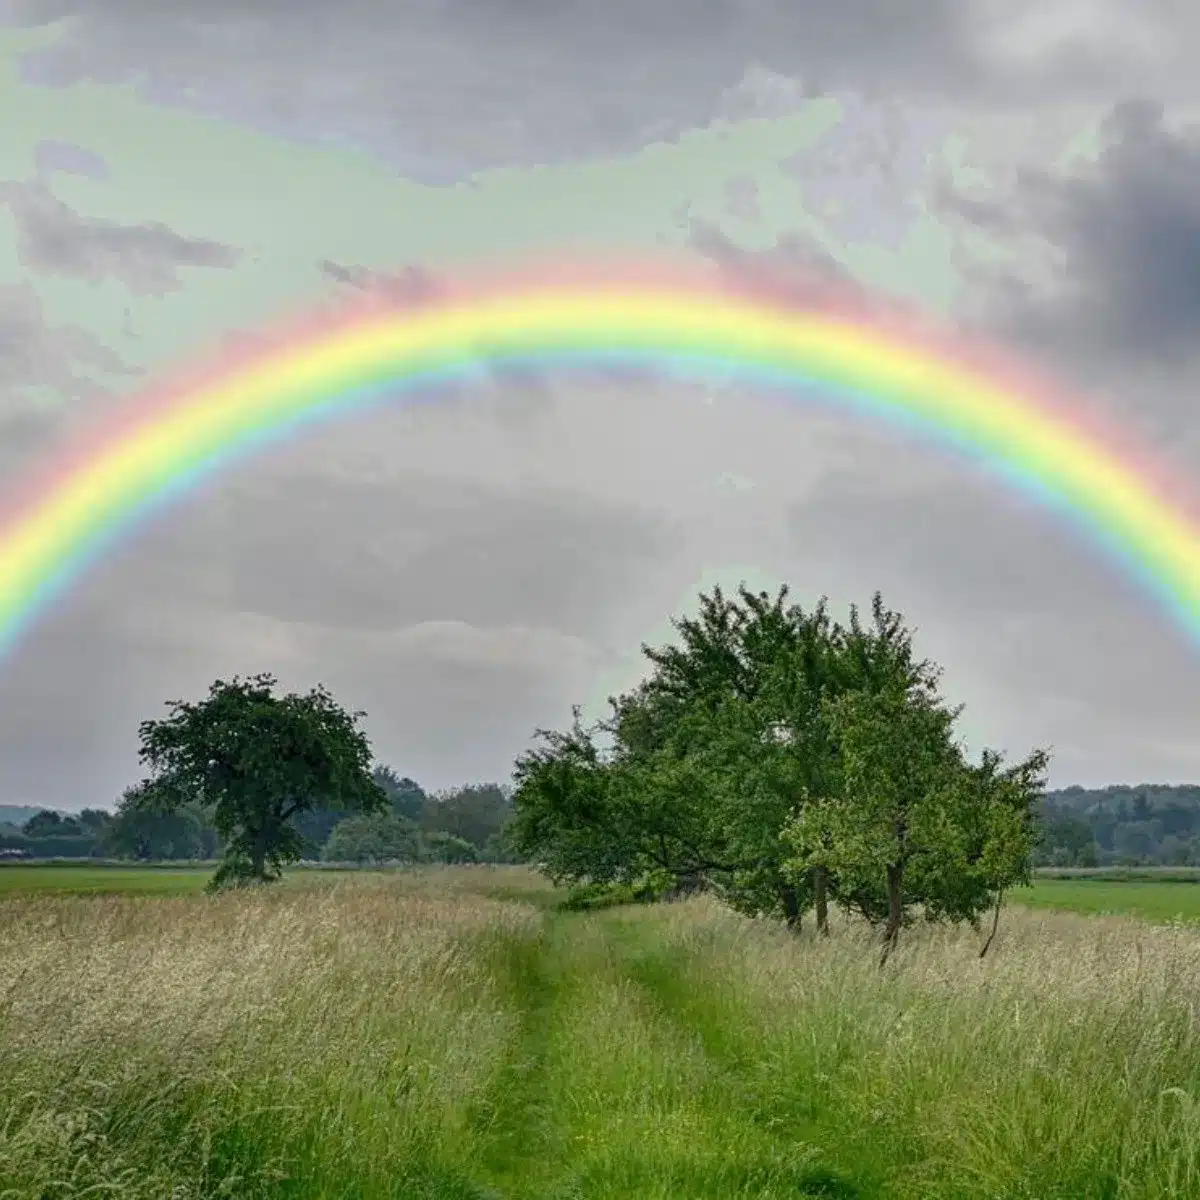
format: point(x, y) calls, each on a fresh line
point(705, 761)
point(256, 761)
point(787, 761)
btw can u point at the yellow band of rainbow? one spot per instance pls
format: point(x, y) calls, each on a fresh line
point(678, 321)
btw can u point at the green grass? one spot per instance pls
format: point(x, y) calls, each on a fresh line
point(1151, 900)
point(1124, 874)
point(451, 1033)
point(89, 878)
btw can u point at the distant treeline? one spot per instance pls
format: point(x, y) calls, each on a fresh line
point(1122, 825)
point(464, 824)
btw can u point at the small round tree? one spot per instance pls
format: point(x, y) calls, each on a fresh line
point(257, 760)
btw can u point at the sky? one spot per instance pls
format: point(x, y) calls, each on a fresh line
point(179, 175)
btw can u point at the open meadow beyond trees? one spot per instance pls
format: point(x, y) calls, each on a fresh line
point(453, 1032)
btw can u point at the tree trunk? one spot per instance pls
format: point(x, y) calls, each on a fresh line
point(820, 880)
point(995, 922)
point(895, 890)
point(258, 858)
point(791, 907)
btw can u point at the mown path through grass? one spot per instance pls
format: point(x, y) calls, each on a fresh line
point(624, 1080)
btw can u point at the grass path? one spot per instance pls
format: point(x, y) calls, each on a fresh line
point(518, 1130)
point(624, 1079)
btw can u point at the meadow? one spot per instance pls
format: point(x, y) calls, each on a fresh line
point(450, 1033)
point(89, 879)
point(1150, 899)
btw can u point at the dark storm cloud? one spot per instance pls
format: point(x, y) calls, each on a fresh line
point(1123, 241)
point(53, 238)
point(446, 88)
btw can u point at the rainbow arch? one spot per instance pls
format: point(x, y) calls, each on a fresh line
point(1043, 442)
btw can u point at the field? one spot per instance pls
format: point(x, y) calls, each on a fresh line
point(450, 1033)
point(87, 879)
point(1149, 899)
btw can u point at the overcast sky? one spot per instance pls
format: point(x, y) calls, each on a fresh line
point(175, 174)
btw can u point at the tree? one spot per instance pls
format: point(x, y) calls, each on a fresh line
point(257, 761)
point(443, 847)
point(94, 820)
point(315, 829)
point(48, 823)
point(49, 834)
point(473, 812)
point(709, 756)
point(1005, 805)
point(568, 817)
point(914, 815)
point(897, 761)
point(374, 838)
point(406, 796)
point(141, 830)
point(786, 762)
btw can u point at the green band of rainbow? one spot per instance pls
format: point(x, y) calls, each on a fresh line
point(694, 324)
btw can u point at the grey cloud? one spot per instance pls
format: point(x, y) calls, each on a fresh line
point(1121, 247)
point(447, 88)
point(458, 616)
point(793, 268)
point(444, 88)
point(741, 198)
point(462, 578)
point(417, 549)
point(37, 354)
point(51, 376)
point(1014, 604)
point(410, 284)
point(864, 176)
point(53, 238)
point(792, 253)
point(69, 157)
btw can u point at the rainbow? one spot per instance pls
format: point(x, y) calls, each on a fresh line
point(688, 321)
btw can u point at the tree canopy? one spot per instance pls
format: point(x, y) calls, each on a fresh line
point(257, 761)
point(788, 761)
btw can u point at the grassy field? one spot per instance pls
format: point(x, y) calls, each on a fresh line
point(1151, 900)
point(448, 1033)
point(87, 878)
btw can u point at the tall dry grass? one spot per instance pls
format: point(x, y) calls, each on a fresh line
point(193, 1047)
